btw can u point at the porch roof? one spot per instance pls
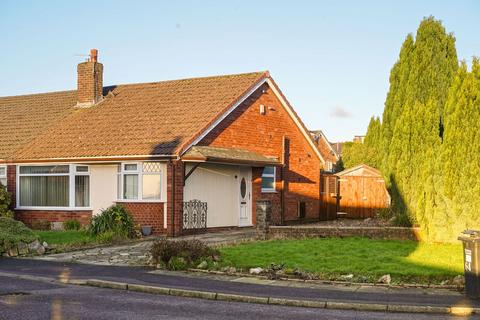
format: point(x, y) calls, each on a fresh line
point(228, 155)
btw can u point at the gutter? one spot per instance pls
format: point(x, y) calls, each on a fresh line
point(99, 159)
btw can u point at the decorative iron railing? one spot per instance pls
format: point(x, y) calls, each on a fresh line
point(194, 215)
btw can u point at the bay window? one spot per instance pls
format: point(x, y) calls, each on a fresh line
point(268, 179)
point(3, 175)
point(54, 186)
point(139, 181)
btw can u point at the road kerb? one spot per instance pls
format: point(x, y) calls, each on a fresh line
point(76, 282)
point(417, 309)
point(277, 301)
point(241, 298)
point(356, 306)
point(148, 289)
point(107, 284)
point(461, 311)
point(297, 303)
point(193, 294)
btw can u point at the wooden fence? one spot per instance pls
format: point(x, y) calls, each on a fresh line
point(328, 196)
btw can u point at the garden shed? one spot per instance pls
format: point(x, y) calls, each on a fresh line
point(362, 192)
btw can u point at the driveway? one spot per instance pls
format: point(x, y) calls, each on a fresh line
point(137, 253)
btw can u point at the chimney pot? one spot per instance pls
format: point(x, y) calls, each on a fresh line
point(93, 55)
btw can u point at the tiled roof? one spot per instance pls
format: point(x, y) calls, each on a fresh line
point(326, 150)
point(22, 118)
point(204, 153)
point(133, 120)
point(338, 147)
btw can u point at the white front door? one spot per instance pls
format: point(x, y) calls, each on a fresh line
point(245, 196)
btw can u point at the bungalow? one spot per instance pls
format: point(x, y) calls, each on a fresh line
point(178, 154)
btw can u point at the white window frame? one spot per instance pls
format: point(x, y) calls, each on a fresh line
point(140, 174)
point(329, 166)
point(270, 175)
point(5, 175)
point(72, 172)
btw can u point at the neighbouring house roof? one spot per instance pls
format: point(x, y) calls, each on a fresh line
point(360, 170)
point(22, 118)
point(338, 147)
point(215, 154)
point(132, 120)
point(326, 149)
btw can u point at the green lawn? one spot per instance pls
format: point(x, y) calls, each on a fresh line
point(65, 238)
point(367, 260)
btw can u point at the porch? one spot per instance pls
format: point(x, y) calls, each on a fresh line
point(221, 186)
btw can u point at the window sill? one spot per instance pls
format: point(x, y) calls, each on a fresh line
point(269, 191)
point(55, 208)
point(139, 201)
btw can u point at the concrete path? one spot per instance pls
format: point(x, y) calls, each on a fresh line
point(137, 253)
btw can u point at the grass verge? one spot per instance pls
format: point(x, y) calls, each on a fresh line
point(64, 240)
point(366, 259)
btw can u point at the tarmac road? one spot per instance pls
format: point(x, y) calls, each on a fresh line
point(28, 299)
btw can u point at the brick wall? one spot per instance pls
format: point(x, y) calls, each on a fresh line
point(299, 232)
point(11, 183)
point(247, 129)
point(147, 213)
point(30, 216)
point(175, 173)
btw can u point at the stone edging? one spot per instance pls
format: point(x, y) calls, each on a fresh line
point(332, 282)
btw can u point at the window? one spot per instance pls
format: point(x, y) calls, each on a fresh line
point(3, 175)
point(63, 186)
point(268, 179)
point(301, 209)
point(329, 166)
point(82, 187)
point(139, 181)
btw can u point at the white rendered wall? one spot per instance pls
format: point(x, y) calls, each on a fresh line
point(218, 186)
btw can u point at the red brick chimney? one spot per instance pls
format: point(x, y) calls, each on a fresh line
point(90, 81)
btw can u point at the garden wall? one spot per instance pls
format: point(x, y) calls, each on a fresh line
point(295, 232)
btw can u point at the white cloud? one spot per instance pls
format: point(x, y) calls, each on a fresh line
point(339, 112)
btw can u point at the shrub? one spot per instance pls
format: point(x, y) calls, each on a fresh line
point(12, 232)
point(72, 225)
point(106, 237)
point(41, 225)
point(181, 254)
point(5, 201)
point(115, 219)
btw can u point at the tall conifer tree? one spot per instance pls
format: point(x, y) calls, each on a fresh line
point(460, 160)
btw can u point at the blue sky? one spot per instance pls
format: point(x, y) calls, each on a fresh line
point(331, 58)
